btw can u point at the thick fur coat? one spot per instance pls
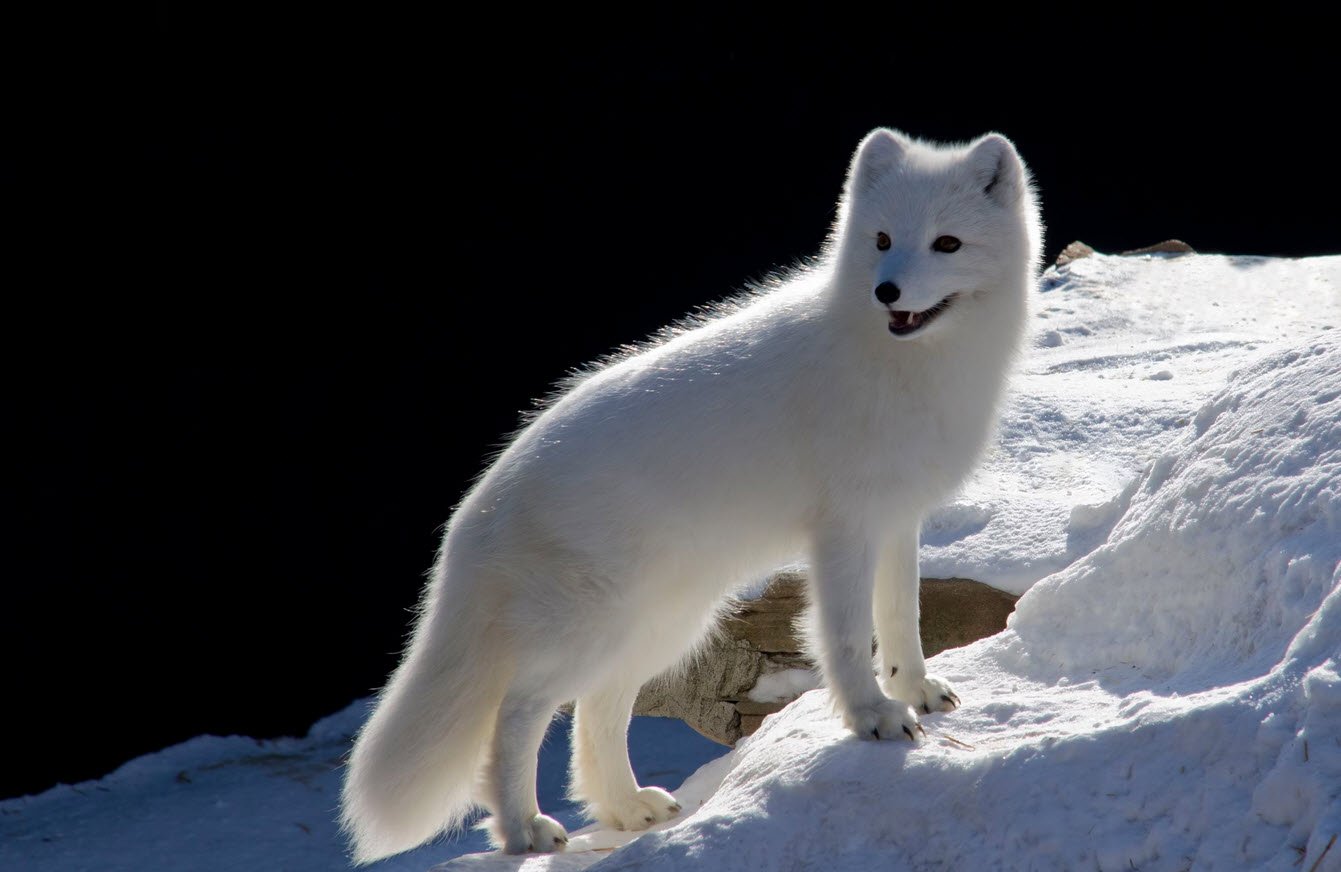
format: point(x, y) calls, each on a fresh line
point(818, 418)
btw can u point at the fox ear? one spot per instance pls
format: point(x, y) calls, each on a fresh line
point(997, 168)
point(880, 152)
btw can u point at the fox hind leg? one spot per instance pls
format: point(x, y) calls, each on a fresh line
point(517, 825)
point(602, 776)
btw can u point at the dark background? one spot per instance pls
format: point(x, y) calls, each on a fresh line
point(299, 278)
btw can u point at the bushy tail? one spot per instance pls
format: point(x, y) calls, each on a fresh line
point(412, 773)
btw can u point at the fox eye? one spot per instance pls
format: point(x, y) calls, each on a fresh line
point(945, 244)
point(882, 241)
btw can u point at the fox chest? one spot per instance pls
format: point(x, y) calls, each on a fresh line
point(900, 438)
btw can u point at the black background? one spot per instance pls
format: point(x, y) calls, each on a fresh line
point(299, 277)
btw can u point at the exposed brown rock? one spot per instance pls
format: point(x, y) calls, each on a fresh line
point(759, 637)
point(755, 638)
point(1168, 246)
point(1074, 251)
point(957, 611)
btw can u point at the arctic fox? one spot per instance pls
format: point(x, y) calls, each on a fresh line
point(819, 417)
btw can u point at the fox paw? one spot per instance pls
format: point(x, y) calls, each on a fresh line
point(884, 719)
point(650, 805)
point(540, 834)
point(931, 694)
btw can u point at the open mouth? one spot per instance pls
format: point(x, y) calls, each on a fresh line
point(906, 323)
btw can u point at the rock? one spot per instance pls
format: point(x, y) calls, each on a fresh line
point(1074, 251)
point(755, 637)
point(958, 611)
point(1078, 249)
point(1168, 246)
point(758, 637)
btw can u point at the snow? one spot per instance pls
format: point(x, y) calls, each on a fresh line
point(783, 684)
point(1167, 497)
point(1170, 701)
point(214, 804)
point(1124, 351)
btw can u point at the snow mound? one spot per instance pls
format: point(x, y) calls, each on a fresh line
point(218, 804)
point(1170, 701)
point(784, 684)
point(210, 804)
point(1123, 351)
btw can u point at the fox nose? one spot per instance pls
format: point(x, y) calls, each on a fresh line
point(887, 292)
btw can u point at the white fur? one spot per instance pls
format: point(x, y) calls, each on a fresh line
point(594, 553)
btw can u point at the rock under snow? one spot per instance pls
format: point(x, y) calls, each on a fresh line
point(755, 664)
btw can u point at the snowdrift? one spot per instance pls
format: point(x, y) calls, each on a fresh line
point(1123, 352)
point(1170, 701)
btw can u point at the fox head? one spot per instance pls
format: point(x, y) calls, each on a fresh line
point(926, 233)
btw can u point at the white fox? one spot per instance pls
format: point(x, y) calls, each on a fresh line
point(818, 417)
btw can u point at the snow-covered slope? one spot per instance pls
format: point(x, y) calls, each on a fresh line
point(1123, 352)
point(1167, 696)
point(1171, 701)
point(242, 805)
point(1168, 700)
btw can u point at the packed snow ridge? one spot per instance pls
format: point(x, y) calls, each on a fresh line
point(1123, 352)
